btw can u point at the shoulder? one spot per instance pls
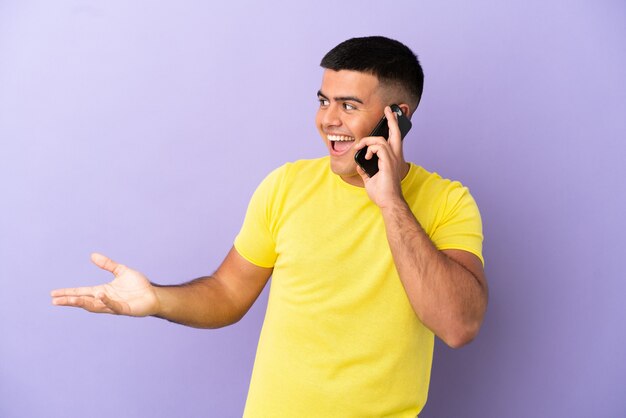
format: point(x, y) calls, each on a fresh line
point(301, 165)
point(316, 165)
point(301, 170)
point(292, 174)
point(424, 184)
point(435, 199)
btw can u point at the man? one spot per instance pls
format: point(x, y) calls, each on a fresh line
point(365, 270)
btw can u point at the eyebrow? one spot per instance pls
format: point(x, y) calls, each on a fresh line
point(341, 98)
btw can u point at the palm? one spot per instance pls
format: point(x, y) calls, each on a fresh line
point(130, 292)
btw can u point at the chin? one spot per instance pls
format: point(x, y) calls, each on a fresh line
point(343, 168)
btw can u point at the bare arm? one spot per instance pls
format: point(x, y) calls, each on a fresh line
point(216, 301)
point(207, 302)
point(447, 289)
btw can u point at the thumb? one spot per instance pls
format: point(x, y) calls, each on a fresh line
point(362, 173)
point(107, 264)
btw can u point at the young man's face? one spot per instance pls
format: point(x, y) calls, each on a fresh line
point(351, 104)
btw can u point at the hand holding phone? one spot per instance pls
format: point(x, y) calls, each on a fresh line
point(382, 129)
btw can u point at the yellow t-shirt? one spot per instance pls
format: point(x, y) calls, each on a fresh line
point(340, 338)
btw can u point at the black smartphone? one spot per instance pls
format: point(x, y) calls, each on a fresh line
point(382, 129)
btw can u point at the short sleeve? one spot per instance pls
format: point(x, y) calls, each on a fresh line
point(460, 225)
point(255, 241)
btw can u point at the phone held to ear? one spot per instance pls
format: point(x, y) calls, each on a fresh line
point(382, 129)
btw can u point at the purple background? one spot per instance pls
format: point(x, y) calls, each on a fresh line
point(140, 129)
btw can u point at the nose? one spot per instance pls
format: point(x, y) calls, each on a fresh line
point(331, 116)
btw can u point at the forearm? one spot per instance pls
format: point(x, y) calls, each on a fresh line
point(447, 297)
point(201, 303)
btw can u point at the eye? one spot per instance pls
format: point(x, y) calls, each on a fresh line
point(323, 102)
point(348, 106)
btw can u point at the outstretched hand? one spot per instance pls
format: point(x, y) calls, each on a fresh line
point(130, 292)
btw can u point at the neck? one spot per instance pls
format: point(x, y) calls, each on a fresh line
point(356, 180)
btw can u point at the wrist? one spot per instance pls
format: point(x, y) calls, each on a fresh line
point(160, 295)
point(394, 205)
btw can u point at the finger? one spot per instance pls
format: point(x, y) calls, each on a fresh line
point(395, 137)
point(362, 173)
point(85, 302)
point(74, 291)
point(75, 301)
point(66, 301)
point(369, 140)
point(107, 264)
point(379, 149)
point(112, 305)
point(371, 150)
point(372, 143)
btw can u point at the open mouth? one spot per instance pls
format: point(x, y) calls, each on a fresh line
point(340, 144)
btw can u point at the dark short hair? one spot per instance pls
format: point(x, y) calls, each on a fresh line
point(389, 60)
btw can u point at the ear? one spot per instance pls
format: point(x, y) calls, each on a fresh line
point(406, 109)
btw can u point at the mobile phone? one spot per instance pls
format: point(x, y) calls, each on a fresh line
point(382, 129)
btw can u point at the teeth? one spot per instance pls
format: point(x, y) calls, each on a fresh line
point(340, 138)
